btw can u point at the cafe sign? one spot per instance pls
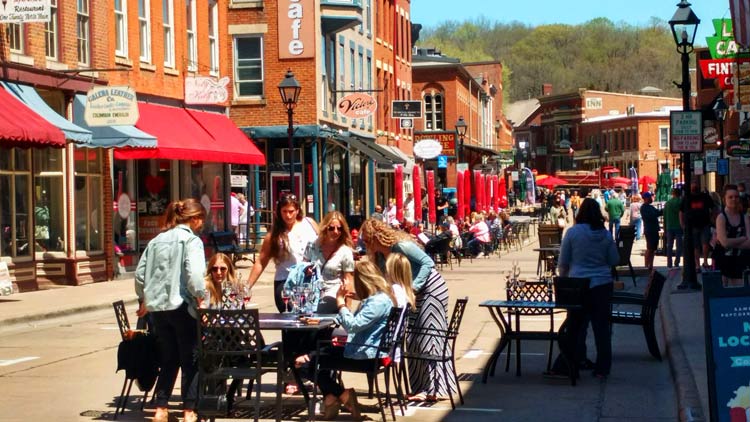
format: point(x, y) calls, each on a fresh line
point(446, 139)
point(206, 90)
point(427, 149)
point(21, 11)
point(296, 20)
point(357, 106)
point(111, 106)
point(722, 45)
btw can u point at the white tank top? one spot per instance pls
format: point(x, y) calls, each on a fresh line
point(302, 234)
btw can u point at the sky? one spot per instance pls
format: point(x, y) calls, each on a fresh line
point(635, 12)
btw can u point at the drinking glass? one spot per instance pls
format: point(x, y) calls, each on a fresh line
point(286, 295)
point(307, 297)
point(247, 294)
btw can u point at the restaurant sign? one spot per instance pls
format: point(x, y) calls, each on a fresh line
point(446, 139)
point(21, 11)
point(357, 105)
point(296, 20)
point(722, 45)
point(111, 106)
point(206, 90)
point(427, 149)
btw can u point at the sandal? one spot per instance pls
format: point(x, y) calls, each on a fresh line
point(422, 397)
point(291, 389)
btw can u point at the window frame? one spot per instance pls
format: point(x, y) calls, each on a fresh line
point(92, 173)
point(13, 172)
point(51, 30)
point(83, 31)
point(191, 30)
point(15, 32)
point(432, 111)
point(167, 12)
point(144, 31)
point(213, 37)
point(236, 67)
point(662, 130)
point(121, 28)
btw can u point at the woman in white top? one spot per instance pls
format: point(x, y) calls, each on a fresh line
point(333, 254)
point(290, 235)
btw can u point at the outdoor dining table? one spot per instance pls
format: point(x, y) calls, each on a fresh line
point(543, 253)
point(566, 334)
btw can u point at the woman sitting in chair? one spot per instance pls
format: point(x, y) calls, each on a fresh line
point(365, 328)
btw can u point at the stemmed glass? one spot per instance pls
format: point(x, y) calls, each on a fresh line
point(307, 297)
point(286, 295)
point(247, 294)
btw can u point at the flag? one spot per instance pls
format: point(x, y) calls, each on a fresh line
point(741, 21)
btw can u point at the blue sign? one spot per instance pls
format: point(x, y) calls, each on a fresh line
point(442, 161)
point(722, 166)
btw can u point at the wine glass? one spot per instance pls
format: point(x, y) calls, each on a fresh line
point(306, 296)
point(286, 295)
point(247, 294)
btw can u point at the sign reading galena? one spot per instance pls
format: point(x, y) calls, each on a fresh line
point(296, 19)
point(111, 106)
point(20, 11)
point(206, 90)
point(357, 105)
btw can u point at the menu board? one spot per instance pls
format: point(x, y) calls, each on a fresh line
point(727, 315)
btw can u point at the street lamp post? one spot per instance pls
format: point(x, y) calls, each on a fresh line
point(461, 131)
point(289, 89)
point(684, 25)
point(720, 112)
point(605, 154)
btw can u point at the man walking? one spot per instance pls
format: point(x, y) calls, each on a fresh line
point(672, 228)
point(698, 210)
point(615, 210)
point(650, 216)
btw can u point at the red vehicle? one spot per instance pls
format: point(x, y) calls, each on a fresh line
point(609, 178)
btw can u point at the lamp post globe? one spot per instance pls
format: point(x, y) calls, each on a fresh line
point(684, 25)
point(290, 89)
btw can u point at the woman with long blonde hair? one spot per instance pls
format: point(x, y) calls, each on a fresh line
point(398, 273)
point(220, 270)
point(431, 299)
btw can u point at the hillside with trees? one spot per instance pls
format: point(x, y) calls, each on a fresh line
point(598, 54)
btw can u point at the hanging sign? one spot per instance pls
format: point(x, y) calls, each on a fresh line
point(23, 11)
point(427, 149)
point(406, 109)
point(206, 90)
point(296, 20)
point(739, 148)
point(111, 106)
point(357, 106)
point(722, 45)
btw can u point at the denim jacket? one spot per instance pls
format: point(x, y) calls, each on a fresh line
point(366, 326)
point(171, 270)
point(421, 263)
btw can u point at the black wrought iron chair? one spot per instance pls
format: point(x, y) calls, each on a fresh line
point(646, 316)
point(440, 252)
point(448, 351)
point(390, 342)
point(532, 291)
point(231, 347)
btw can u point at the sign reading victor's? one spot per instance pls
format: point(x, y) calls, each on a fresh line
point(446, 139)
point(727, 326)
point(111, 106)
point(20, 11)
point(406, 109)
point(357, 105)
point(685, 131)
point(296, 19)
point(206, 90)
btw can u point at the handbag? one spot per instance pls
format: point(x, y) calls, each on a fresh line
point(561, 222)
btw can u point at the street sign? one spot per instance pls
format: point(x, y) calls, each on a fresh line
point(722, 166)
point(406, 109)
point(685, 132)
point(442, 161)
point(406, 123)
point(712, 158)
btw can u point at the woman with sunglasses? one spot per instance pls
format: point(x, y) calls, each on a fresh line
point(333, 254)
point(169, 284)
point(290, 234)
point(220, 271)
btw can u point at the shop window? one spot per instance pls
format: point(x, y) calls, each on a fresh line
point(154, 194)
point(15, 202)
point(144, 29)
point(50, 31)
point(248, 66)
point(49, 200)
point(83, 31)
point(205, 182)
point(88, 199)
point(124, 219)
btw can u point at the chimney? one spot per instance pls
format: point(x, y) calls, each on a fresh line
point(546, 90)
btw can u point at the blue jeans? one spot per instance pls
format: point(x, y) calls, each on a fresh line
point(672, 236)
point(614, 227)
point(636, 222)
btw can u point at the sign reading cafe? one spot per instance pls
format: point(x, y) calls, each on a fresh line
point(296, 20)
point(20, 11)
point(111, 106)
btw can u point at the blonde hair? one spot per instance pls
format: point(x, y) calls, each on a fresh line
point(213, 289)
point(398, 271)
point(373, 230)
point(368, 280)
point(345, 237)
point(181, 212)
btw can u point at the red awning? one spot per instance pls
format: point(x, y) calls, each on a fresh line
point(22, 127)
point(191, 135)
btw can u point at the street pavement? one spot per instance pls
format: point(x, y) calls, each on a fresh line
point(639, 387)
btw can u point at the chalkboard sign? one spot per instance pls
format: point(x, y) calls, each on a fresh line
point(727, 325)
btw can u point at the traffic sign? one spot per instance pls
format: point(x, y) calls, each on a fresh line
point(686, 132)
point(442, 161)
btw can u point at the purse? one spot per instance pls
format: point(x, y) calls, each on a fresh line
point(561, 222)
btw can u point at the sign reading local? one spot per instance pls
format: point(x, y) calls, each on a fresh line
point(20, 11)
point(685, 132)
point(406, 109)
point(111, 106)
point(722, 45)
point(446, 139)
point(296, 20)
point(357, 106)
point(206, 90)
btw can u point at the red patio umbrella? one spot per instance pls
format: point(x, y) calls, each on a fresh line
point(503, 193)
point(551, 182)
point(496, 191)
point(487, 180)
point(417, 187)
point(460, 195)
point(644, 181)
point(398, 179)
point(467, 193)
point(431, 195)
point(478, 191)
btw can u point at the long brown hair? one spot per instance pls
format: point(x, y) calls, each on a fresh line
point(181, 212)
point(279, 231)
point(368, 280)
point(345, 238)
point(213, 289)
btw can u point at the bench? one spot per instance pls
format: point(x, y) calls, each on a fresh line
point(226, 243)
point(649, 302)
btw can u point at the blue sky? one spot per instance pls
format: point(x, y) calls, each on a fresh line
point(538, 12)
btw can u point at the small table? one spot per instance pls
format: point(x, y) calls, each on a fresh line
point(544, 253)
point(566, 335)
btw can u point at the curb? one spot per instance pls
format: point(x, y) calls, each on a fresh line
point(688, 399)
point(26, 319)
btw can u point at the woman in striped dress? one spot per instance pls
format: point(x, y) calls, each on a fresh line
point(426, 378)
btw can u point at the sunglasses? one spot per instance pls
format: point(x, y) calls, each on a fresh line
point(288, 197)
point(335, 228)
point(219, 269)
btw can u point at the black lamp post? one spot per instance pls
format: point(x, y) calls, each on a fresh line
point(289, 89)
point(684, 25)
point(720, 112)
point(461, 131)
point(605, 154)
